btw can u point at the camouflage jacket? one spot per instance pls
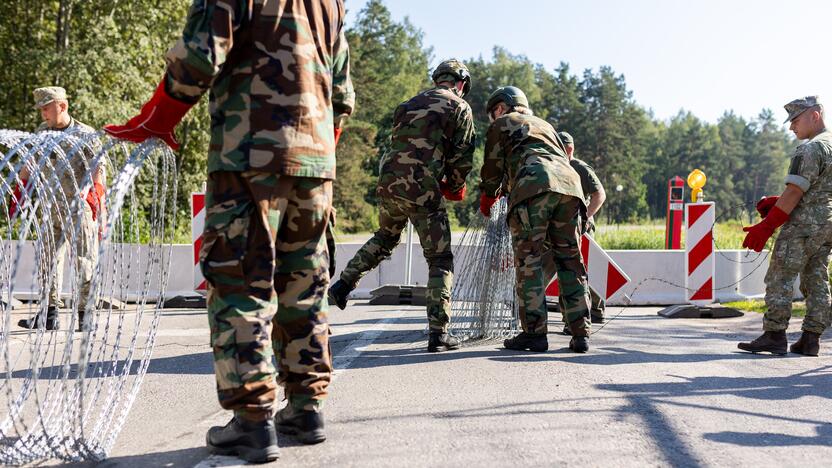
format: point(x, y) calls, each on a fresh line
point(525, 158)
point(589, 180)
point(811, 170)
point(433, 138)
point(278, 72)
point(71, 168)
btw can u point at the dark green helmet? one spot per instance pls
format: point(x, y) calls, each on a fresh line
point(511, 95)
point(456, 69)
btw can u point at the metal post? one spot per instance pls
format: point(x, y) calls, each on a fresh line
point(408, 262)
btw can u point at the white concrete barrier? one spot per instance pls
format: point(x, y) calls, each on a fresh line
point(657, 275)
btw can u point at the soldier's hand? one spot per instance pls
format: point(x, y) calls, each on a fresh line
point(158, 117)
point(761, 232)
point(765, 204)
point(17, 197)
point(486, 203)
point(95, 198)
point(450, 195)
point(587, 225)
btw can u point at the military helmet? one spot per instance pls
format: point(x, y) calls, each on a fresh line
point(456, 69)
point(511, 95)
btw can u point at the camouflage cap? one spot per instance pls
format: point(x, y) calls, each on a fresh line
point(799, 106)
point(44, 96)
point(566, 138)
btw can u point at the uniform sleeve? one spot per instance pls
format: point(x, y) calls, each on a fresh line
point(343, 94)
point(804, 169)
point(592, 183)
point(493, 163)
point(461, 160)
point(198, 56)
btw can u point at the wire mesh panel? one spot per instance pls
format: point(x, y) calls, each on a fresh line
point(68, 390)
point(483, 305)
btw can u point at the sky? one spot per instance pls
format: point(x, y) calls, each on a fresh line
point(703, 56)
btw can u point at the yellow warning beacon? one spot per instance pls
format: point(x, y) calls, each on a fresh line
point(696, 180)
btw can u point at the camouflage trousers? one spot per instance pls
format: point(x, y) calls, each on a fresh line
point(85, 244)
point(265, 258)
point(597, 304)
point(807, 256)
point(544, 233)
point(433, 228)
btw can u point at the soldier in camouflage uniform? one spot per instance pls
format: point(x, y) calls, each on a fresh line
point(804, 210)
point(525, 160)
point(68, 169)
point(431, 154)
point(594, 197)
point(278, 75)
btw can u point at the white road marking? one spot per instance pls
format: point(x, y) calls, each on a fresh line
point(354, 348)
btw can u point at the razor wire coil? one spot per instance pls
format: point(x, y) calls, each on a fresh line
point(68, 392)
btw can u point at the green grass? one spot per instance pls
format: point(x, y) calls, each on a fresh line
point(630, 237)
point(727, 235)
point(798, 308)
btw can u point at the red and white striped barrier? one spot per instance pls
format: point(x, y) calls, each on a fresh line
point(604, 275)
point(197, 229)
point(699, 252)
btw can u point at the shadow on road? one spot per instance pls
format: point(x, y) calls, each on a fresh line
point(823, 437)
point(815, 382)
point(188, 364)
point(645, 399)
point(175, 458)
point(609, 356)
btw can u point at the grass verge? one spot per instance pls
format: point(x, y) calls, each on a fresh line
point(798, 308)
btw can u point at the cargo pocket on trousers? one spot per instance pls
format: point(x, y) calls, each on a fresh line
point(224, 247)
point(521, 213)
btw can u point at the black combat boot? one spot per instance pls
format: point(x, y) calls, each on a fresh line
point(252, 441)
point(596, 319)
point(338, 292)
point(528, 341)
point(306, 425)
point(437, 340)
point(807, 345)
point(566, 331)
point(772, 341)
point(579, 344)
point(51, 322)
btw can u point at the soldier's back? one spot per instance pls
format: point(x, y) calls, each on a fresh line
point(273, 98)
point(423, 127)
point(535, 160)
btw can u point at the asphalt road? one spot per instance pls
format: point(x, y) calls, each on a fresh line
point(651, 392)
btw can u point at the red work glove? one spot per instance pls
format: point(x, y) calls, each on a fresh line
point(765, 204)
point(95, 197)
point(760, 233)
point(446, 191)
point(486, 203)
point(17, 196)
point(338, 131)
point(157, 118)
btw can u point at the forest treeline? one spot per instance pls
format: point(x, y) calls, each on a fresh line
point(109, 56)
